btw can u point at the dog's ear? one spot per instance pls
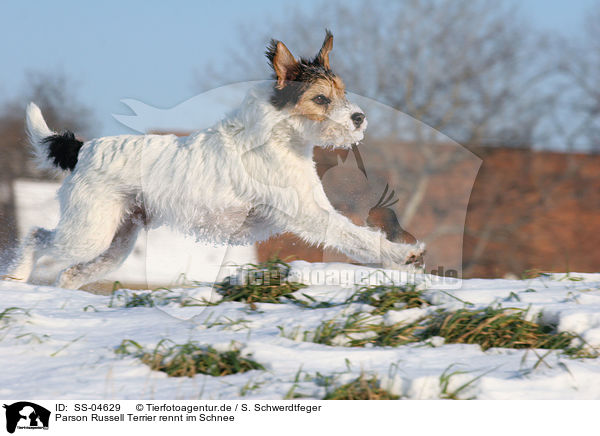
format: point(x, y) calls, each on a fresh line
point(282, 61)
point(323, 56)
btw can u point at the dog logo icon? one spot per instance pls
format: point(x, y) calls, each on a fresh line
point(26, 415)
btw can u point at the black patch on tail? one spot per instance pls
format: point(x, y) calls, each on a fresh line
point(63, 149)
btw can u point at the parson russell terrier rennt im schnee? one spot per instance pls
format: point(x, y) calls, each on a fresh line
point(248, 177)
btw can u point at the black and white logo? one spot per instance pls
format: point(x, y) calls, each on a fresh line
point(26, 415)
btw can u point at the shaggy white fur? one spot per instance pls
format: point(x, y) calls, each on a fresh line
point(247, 178)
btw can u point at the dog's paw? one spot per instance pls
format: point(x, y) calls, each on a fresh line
point(396, 254)
point(417, 258)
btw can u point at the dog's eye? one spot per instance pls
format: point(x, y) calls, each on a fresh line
point(321, 100)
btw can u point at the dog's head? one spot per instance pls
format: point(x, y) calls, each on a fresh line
point(314, 97)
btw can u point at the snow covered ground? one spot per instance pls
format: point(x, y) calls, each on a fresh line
point(60, 344)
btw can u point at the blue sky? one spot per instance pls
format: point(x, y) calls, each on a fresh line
point(564, 16)
point(150, 50)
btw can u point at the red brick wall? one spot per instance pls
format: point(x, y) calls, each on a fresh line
point(527, 211)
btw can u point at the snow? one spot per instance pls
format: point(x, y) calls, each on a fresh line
point(61, 344)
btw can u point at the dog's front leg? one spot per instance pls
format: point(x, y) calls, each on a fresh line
point(333, 230)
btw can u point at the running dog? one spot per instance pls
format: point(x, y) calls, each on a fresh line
point(248, 177)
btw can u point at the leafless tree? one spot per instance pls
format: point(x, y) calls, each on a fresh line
point(572, 124)
point(580, 64)
point(471, 70)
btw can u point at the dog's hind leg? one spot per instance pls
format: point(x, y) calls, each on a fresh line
point(91, 215)
point(78, 275)
point(33, 247)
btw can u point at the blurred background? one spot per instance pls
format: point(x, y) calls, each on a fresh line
point(517, 84)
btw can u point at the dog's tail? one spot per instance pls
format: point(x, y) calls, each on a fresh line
point(51, 150)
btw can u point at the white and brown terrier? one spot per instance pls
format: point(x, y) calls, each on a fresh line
point(247, 178)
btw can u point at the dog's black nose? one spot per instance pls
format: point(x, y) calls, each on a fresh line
point(357, 118)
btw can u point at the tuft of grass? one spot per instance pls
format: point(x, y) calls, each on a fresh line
point(495, 327)
point(189, 359)
point(265, 282)
point(362, 388)
point(358, 331)
point(139, 300)
point(488, 327)
point(389, 297)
